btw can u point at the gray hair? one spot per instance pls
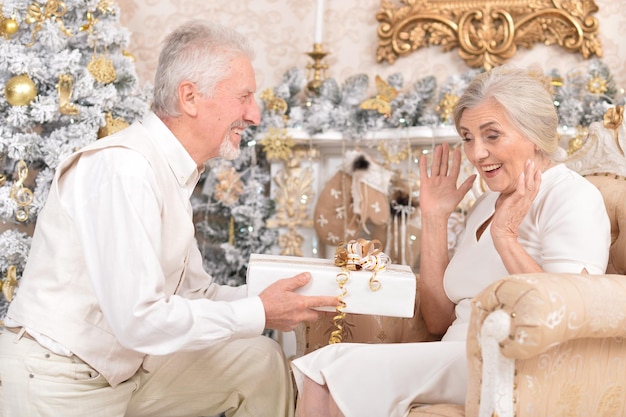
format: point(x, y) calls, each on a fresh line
point(524, 97)
point(199, 52)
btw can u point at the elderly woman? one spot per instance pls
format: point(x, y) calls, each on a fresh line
point(537, 215)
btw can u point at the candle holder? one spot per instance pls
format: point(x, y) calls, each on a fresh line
point(319, 68)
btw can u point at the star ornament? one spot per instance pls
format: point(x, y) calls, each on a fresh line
point(273, 103)
point(229, 186)
point(277, 144)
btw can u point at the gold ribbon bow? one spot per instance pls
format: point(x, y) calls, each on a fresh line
point(54, 9)
point(355, 255)
point(613, 119)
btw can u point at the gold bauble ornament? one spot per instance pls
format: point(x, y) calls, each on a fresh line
point(9, 27)
point(20, 90)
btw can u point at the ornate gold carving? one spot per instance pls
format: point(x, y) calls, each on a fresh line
point(486, 32)
point(293, 195)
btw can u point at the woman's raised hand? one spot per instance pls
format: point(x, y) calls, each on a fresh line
point(512, 209)
point(438, 189)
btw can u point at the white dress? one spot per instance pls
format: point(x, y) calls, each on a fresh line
point(566, 229)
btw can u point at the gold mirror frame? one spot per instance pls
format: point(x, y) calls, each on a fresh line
point(486, 32)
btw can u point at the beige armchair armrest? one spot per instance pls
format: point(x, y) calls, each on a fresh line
point(548, 309)
point(518, 320)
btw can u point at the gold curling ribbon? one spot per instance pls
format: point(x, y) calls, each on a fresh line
point(336, 336)
point(613, 119)
point(355, 255)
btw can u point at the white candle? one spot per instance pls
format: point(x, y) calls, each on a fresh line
point(319, 21)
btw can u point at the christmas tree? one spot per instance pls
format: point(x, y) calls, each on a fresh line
point(67, 80)
point(231, 206)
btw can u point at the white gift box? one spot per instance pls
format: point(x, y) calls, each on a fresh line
point(395, 297)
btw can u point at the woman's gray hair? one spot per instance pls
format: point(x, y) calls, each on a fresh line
point(523, 96)
point(199, 52)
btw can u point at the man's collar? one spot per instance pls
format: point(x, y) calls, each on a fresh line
point(182, 164)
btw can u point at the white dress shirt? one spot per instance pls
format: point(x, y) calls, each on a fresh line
point(112, 197)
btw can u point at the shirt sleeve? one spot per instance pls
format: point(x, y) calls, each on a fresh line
point(114, 200)
point(575, 229)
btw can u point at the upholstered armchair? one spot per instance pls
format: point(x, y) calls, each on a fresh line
point(539, 344)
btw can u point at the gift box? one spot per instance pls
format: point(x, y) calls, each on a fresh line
point(390, 292)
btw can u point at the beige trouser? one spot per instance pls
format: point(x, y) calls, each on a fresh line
point(243, 378)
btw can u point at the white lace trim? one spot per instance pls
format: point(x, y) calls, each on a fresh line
point(498, 371)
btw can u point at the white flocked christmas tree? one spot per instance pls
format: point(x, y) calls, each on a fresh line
point(66, 79)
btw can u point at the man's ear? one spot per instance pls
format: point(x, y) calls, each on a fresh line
point(188, 98)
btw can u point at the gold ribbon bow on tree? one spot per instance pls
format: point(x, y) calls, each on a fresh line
point(356, 255)
point(54, 9)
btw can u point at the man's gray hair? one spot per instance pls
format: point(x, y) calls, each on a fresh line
point(199, 52)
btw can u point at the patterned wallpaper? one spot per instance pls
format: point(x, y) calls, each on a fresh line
point(283, 31)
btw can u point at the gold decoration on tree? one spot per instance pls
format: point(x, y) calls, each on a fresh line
point(20, 90)
point(577, 141)
point(65, 88)
point(3, 178)
point(8, 25)
point(102, 69)
point(91, 21)
point(556, 81)
point(100, 66)
point(277, 144)
point(105, 6)
point(393, 158)
point(274, 104)
point(229, 186)
point(10, 283)
point(128, 54)
point(381, 103)
point(53, 10)
point(22, 195)
point(111, 126)
point(446, 106)
point(597, 85)
point(613, 119)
